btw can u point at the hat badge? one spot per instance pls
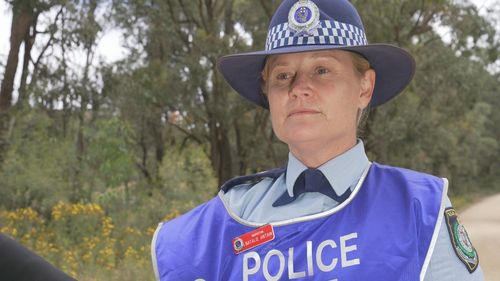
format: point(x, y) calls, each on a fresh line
point(303, 17)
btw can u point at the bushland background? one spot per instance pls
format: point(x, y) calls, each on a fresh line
point(93, 154)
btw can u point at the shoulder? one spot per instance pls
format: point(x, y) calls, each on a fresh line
point(176, 228)
point(414, 181)
point(175, 241)
point(454, 257)
point(402, 172)
point(250, 180)
point(421, 194)
point(204, 215)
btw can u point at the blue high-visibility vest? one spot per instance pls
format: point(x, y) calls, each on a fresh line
point(385, 230)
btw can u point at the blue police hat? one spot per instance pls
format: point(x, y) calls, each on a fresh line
point(314, 25)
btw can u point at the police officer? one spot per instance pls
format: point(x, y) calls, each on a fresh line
point(20, 264)
point(330, 214)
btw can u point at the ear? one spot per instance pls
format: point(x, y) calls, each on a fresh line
point(367, 87)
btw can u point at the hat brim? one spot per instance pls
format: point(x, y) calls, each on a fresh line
point(394, 68)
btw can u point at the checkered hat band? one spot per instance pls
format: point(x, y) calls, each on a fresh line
point(328, 32)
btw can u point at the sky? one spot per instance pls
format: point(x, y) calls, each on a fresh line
point(110, 45)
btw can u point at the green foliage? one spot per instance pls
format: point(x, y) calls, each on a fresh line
point(36, 171)
point(178, 75)
point(442, 123)
point(187, 176)
point(110, 151)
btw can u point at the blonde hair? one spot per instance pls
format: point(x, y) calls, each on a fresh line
point(361, 66)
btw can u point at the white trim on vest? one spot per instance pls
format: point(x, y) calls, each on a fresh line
point(299, 219)
point(153, 252)
point(437, 229)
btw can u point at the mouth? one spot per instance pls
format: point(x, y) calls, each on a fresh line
point(302, 111)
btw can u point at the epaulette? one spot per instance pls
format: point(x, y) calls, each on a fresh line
point(274, 174)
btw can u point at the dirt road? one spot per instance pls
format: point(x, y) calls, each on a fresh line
point(482, 221)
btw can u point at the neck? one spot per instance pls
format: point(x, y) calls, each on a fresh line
point(316, 155)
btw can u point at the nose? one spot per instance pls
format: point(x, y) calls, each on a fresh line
point(300, 85)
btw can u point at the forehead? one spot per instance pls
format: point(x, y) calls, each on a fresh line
point(338, 55)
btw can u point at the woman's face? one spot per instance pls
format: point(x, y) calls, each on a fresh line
point(314, 97)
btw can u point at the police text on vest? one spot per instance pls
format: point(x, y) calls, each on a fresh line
point(252, 263)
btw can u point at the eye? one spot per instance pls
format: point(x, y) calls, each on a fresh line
point(321, 70)
point(284, 76)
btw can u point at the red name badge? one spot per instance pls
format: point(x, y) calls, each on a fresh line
point(253, 238)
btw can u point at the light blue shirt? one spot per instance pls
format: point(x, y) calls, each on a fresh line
point(254, 203)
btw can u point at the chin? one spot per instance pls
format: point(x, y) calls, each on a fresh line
point(301, 137)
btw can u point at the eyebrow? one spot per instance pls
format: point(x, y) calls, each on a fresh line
point(325, 55)
point(320, 55)
point(273, 64)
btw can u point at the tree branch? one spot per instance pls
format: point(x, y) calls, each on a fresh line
point(178, 29)
point(185, 131)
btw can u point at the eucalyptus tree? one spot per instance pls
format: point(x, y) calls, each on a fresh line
point(23, 30)
point(177, 90)
point(442, 123)
point(58, 77)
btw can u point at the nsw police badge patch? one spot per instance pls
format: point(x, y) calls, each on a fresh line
point(303, 17)
point(460, 241)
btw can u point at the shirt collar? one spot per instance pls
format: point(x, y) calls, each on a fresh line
point(342, 171)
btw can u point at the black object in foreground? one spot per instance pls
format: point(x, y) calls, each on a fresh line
point(17, 263)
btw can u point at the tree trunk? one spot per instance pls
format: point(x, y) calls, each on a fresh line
point(22, 18)
point(29, 41)
point(226, 165)
point(220, 153)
